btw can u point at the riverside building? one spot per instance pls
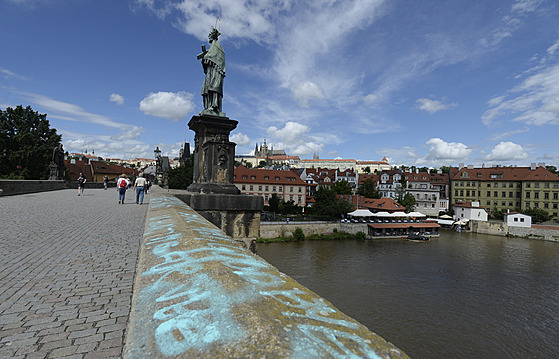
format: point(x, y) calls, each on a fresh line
point(507, 188)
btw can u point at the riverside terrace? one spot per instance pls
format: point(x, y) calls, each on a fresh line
point(82, 277)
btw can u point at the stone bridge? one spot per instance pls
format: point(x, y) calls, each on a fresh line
point(85, 277)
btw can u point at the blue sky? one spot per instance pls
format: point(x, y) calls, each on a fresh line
point(426, 83)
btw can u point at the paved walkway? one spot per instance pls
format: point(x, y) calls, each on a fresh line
point(67, 266)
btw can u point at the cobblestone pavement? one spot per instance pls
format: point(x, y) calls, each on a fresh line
point(67, 266)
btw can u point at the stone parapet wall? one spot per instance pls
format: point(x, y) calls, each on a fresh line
point(286, 229)
point(199, 294)
point(13, 187)
point(502, 229)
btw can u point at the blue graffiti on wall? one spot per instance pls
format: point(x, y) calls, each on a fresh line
point(200, 314)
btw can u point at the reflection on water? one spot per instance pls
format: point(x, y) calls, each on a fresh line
point(458, 296)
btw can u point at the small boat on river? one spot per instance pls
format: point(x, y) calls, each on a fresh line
point(416, 237)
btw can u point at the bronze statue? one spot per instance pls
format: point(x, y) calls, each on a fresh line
point(213, 62)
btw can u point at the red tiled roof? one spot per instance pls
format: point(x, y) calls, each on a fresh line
point(466, 205)
point(376, 205)
point(245, 175)
point(504, 174)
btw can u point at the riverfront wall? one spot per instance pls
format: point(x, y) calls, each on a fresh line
point(286, 229)
point(199, 294)
point(502, 229)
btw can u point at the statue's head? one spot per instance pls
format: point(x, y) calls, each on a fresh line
point(214, 33)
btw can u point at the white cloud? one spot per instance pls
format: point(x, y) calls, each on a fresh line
point(553, 48)
point(450, 151)
point(502, 135)
point(294, 138)
point(169, 105)
point(507, 151)
point(305, 91)
point(535, 101)
point(116, 98)
point(433, 106)
point(9, 74)
point(240, 139)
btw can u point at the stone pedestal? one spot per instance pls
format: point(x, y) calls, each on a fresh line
point(214, 155)
point(213, 193)
point(57, 173)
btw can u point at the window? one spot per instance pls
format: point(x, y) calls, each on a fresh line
point(488, 184)
point(260, 188)
point(456, 192)
point(291, 189)
point(245, 177)
point(495, 194)
point(280, 188)
point(536, 185)
point(527, 194)
point(266, 188)
point(488, 203)
point(300, 199)
point(510, 195)
point(300, 189)
point(515, 219)
point(461, 193)
point(546, 185)
point(243, 187)
point(266, 178)
point(521, 219)
point(468, 193)
point(554, 205)
point(250, 187)
point(536, 205)
point(537, 195)
point(510, 203)
point(253, 177)
point(474, 193)
point(527, 184)
point(277, 178)
point(503, 194)
point(488, 193)
point(503, 203)
point(546, 205)
point(273, 188)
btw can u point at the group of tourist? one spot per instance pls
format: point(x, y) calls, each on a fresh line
point(141, 186)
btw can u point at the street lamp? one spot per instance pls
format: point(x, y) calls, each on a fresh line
point(157, 153)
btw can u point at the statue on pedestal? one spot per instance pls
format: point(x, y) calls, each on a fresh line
point(213, 62)
point(57, 167)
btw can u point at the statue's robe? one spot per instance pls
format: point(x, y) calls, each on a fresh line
point(214, 67)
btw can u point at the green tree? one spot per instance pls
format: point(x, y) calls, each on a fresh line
point(26, 144)
point(181, 177)
point(342, 187)
point(328, 205)
point(369, 189)
point(274, 202)
point(538, 214)
point(288, 207)
point(552, 169)
point(408, 201)
point(298, 234)
point(367, 169)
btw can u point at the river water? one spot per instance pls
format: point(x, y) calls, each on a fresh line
point(462, 295)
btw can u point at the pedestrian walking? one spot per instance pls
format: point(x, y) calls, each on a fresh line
point(121, 186)
point(81, 183)
point(140, 186)
point(106, 181)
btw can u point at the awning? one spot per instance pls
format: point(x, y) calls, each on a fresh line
point(361, 213)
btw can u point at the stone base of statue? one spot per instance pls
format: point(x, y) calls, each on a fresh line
point(213, 193)
point(57, 173)
point(214, 155)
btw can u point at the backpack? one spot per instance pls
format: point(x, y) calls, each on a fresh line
point(122, 183)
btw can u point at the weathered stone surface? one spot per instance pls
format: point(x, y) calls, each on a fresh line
point(199, 294)
point(236, 215)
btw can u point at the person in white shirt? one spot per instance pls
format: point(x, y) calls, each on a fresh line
point(121, 186)
point(140, 187)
